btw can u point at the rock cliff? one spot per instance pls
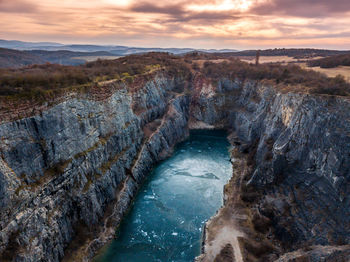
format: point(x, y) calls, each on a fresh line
point(62, 169)
point(68, 174)
point(291, 162)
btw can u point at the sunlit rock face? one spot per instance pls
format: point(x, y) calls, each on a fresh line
point(301, 161)
point(300, 144)
point(76, 166)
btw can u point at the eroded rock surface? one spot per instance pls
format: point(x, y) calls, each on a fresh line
point(61, 169)
point(294, 183)
point(68, 175)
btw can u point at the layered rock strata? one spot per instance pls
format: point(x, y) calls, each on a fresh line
point(68, 174)
point(291, 166)
point(61, 170)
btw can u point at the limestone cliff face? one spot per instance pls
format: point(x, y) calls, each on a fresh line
point(303, 149)
point(299, 150)
point(61, 169)
point(75, 167)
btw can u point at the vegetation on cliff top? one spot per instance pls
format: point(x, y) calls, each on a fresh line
point(38, 81)
point(50, 80)
point(293, 75)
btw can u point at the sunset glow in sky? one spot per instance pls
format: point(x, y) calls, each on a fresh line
point(237, 24)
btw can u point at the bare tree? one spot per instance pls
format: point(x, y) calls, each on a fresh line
point(257, 57)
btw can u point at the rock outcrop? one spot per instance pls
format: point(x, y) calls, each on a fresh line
point(293, 183)
point(68, 175)
point(60, 170)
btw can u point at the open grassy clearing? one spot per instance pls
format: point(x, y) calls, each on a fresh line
point(275, 59)
point(94, 58)
point(330, 72)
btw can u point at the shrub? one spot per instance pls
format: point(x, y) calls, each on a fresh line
point(33, 81)
point(331, 62)
point(315, 82)
point(45, 81)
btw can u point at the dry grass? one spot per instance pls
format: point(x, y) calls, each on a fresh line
point(201, 62)
point(288, 75)
point(331, 72)
point(94, 58)
point(274, 59)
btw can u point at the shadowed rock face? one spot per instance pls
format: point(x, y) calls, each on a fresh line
point(298, 147)
point(301, 161)
point(61, 169)
point(318, 253)
point(226, 255)
point(75, 167)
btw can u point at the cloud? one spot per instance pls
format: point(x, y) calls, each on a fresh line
point(172, 9)
point(302, 8)
point(176, 13)
point(188, 23)
point(17, 6)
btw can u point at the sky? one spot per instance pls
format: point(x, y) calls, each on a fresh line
point(235, 24)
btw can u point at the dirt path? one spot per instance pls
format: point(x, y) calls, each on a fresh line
point(221, 230)
point(226, 235)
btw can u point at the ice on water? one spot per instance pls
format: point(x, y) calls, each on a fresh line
point(168, 216)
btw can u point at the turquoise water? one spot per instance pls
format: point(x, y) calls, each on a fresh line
point(182, 192)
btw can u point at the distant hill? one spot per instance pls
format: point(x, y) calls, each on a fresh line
point(113, 49)
point(15, 58)
point(14, 44)
point(64, 57)
point(10, 58)
point(28, 53)
point(291, 52)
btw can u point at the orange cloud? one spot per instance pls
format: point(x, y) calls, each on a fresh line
point(239, 24)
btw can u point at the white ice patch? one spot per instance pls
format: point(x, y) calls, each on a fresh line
point(208, 193)
point(149, 197)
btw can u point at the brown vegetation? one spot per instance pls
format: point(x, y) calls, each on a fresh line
point(43, 81)
point(314, 82)
point(330, 72)
point(299, 53)
point(49, 81)
point(331, 62)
